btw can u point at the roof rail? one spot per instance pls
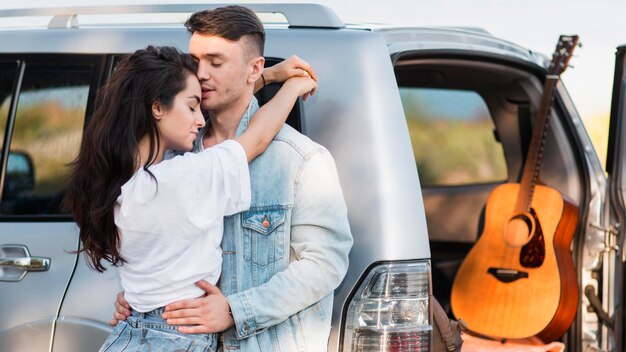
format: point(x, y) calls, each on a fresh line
point(298, 15)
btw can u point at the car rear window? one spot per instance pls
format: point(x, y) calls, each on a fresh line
point(452, 136)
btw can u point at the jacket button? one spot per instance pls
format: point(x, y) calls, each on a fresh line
point(245, 328)
point(266, 223)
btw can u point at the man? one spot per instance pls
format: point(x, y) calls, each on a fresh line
point(285, 256)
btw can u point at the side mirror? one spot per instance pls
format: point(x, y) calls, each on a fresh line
point(20, 175)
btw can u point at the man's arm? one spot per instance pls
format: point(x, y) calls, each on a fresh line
point(321, 241)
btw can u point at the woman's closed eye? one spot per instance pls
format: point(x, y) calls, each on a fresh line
point(193, 102)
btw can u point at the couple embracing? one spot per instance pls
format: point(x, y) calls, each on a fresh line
point(185, 183)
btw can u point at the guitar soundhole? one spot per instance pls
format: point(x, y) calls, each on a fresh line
point(518, 230)
point(534, 252)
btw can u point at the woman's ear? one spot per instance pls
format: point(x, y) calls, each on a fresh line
point(157, 110)
point(257, 69)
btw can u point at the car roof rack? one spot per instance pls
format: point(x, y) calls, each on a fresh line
point(297, 15)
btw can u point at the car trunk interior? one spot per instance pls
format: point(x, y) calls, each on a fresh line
point(481, 148)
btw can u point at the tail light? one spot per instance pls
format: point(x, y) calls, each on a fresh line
point(390, 310)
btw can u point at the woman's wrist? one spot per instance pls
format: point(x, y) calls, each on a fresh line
point(267, 76)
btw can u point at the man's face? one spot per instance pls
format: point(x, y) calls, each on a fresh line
point(223, 70)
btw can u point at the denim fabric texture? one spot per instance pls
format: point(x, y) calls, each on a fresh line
point(148, 332)
point(285, 256)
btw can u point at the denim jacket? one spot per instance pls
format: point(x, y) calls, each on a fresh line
point(285, 256)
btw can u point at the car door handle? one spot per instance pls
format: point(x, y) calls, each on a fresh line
point(16, 261)
point(27, 263)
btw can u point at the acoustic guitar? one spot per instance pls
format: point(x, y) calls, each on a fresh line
point(519, 279)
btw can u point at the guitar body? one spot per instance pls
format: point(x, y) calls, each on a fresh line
point(512, 286)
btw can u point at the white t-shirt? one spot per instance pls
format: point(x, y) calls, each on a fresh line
point(171, 229)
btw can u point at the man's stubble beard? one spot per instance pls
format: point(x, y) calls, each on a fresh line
point(227, 102)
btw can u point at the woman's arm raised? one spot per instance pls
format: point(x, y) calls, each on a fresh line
point(269, 119)
point(293, 66)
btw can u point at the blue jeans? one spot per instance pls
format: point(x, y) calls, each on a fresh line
point(148, 332)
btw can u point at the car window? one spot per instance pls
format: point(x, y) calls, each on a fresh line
point(46, 135)
point(452, 136)
point(8, 75)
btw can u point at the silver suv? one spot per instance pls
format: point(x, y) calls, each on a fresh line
point(456, 106)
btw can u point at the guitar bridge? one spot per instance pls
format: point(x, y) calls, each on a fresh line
point(507, 275)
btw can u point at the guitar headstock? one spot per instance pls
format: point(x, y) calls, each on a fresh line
point(562, 54)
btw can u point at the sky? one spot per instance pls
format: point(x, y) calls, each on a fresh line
point(533, 24)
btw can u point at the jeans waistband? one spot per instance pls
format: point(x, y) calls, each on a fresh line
point(155, 312)
point(150, 319)
point(153, 321)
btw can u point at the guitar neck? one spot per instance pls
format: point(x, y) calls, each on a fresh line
point(534, 158)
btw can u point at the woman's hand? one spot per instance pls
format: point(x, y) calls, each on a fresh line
point(292, 67)
point(302, 85)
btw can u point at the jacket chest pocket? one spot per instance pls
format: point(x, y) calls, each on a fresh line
point(264, 235)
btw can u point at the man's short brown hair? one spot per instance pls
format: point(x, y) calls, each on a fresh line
point(229, 22)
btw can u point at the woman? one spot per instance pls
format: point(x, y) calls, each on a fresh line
point(150, 215)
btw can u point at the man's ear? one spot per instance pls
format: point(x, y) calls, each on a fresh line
point(257, 65)
point(157, 110)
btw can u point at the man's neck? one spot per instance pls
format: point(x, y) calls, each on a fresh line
point(224, 123)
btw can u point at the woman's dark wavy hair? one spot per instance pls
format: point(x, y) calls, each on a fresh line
point(110, 146)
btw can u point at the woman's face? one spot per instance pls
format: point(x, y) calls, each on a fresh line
point(179, 125)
